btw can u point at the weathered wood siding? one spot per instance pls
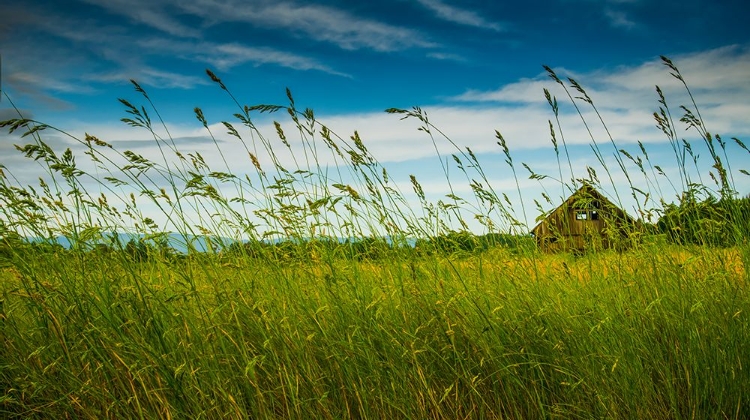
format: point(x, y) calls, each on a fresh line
point(585, 220)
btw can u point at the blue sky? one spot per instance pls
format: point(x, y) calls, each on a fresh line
point(474, 66)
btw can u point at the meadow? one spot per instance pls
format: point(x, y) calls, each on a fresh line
point(312, 292)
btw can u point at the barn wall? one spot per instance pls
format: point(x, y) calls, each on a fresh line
point(562, 231)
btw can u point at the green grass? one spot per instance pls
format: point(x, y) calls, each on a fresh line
point(649, 334)
point(317, 329)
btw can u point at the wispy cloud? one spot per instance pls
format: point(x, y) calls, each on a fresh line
point(624, 96)
point(447, 56)
point(84, 51)
point(147, 144)
point(19, 78)
point(229, 55)
point(717, 76)
point(523, 91)
point(37, 87)
point(150, 77)
point(91, 51)
point(614, 11)
point(460, 16)
point(312, 21)
point(153, 13)
point(619, 19)
point(316, 22)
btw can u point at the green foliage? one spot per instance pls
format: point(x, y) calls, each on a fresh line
point(633, 335)
point(466, 243)
point(707, 221)
point(364, 249)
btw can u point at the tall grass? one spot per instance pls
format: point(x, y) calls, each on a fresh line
point(311, 300)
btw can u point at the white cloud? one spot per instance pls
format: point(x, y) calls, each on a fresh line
point(119, 58)
point(447, 56)
point(150, 13)
point(150, 77)
point(37, 86)
point(717, 78)
point(523, 91)
point(318, 22)
point(123, 55)
point(614, 13)
point(461, 16)
point(619, 19)
point(45, 83)
point(228, 55)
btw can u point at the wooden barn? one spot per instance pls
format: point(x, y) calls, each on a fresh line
point(586, 220)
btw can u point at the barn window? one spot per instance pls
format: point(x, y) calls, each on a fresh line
point(594, 215)
point(582, 215)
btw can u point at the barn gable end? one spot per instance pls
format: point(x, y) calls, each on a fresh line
point(586, 219)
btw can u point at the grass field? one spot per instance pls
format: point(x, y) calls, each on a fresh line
point(371, 328)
